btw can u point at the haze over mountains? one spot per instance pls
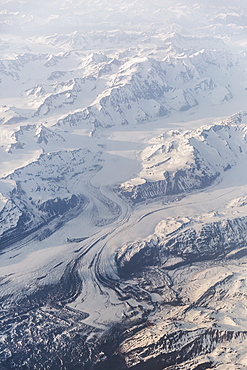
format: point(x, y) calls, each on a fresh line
point(123, 185)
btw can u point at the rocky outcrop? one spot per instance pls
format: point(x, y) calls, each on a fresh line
point(46, 189)
point(184, 246)
point(181, 162)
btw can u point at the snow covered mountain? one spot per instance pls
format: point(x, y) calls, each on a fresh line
point(123, 185)
point(180, 162)
point(44, 190)
point(107, 89)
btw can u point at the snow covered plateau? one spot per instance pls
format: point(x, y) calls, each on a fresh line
point(123, 185)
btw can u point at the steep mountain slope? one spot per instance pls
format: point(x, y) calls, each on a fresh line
point(44, 190)
point(111, 90)
point(179, 162)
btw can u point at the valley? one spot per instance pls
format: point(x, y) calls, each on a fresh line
point(123, 186)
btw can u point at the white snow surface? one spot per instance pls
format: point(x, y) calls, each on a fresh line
point(99, 98)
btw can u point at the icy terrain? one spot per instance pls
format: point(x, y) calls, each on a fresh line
point(123, 185)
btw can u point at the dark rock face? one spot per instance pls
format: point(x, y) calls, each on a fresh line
point(57, 206)
point(44, 338)
point(42, 193)
point(26, 222)
point(180, 182)
point(189, 245)
point(41, 332)
point(179, 347)
point(171, 351)
point(144, 265)
point(211, 241)
point(181, 162)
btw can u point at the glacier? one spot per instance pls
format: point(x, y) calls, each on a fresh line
point(123, 185)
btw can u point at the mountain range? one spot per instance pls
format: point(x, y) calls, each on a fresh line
point(123, 185)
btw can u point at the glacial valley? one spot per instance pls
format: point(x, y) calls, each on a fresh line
point(123, 185)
